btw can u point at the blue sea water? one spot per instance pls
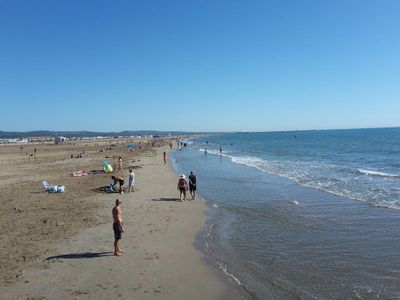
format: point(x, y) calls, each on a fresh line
point(302, 215)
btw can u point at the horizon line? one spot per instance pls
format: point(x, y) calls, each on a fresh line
point(200, 131)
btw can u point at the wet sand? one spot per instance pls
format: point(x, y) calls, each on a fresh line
point(62, 243)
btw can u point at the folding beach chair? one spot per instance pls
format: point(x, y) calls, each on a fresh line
point(53, 188)
point(46, 186)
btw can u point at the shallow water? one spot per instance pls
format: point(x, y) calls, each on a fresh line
point(283, 236)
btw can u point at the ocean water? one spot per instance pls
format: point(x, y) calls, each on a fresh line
point(302, 215)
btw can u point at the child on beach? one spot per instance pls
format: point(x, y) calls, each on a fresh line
point(131, 181)
point(120, 163)
point(165, 157)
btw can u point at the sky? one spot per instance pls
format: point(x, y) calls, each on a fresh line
point(199, 65)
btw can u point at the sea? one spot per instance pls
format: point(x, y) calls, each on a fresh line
point(302, 214)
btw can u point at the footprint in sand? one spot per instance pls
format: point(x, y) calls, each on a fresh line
point(103, 287)
point(152, 256)
point(79, 292)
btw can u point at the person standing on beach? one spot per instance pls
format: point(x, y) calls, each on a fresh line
point(120, 163)
point(165, 157)
point(182, 187)
point(131, 181)
point(192, 185)
point(117, 227)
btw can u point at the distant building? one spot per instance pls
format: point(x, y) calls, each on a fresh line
point(40, 139)
point(59, 140)
point(14, 141)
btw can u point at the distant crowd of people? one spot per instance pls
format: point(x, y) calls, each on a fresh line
point(183, 186)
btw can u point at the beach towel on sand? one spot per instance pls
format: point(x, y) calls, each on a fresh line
point(79, 173)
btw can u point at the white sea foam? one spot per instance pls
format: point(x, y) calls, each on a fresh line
point(388, 204)
point(376, 173)
point(325, 177)
point(210, 151)
point(260, 164)
point(187, 141)
point(224, 269)
point(249, 161)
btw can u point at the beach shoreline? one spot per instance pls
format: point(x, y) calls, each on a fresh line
point(284, 236)
point(160, 259)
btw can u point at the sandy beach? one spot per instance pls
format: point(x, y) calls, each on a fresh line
point(60, 246)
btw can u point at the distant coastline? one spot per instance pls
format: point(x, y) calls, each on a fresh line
point(154, 133)
point(68, 134)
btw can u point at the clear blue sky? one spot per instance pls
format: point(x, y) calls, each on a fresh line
point(199, 65)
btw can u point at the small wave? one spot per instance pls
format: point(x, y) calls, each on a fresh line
point(187, 141)
point(376, 173)
point(301, 174)
point(248, 161)
point(351, 195)
point(210, 151)
point(208, 236)
point(260, 164)
point(224, 269)
point(388, 204)
point(215, 205)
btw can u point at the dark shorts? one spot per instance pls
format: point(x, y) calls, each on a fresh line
point(117, 231)
point(182, 189)
point(192, 188)
point(121, 182)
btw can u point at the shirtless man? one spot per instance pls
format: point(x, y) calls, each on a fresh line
point(120, 180)
point(117, 226)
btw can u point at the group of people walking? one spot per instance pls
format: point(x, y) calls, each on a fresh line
point(183, 186)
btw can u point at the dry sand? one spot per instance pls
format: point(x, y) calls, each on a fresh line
point(60, 246)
